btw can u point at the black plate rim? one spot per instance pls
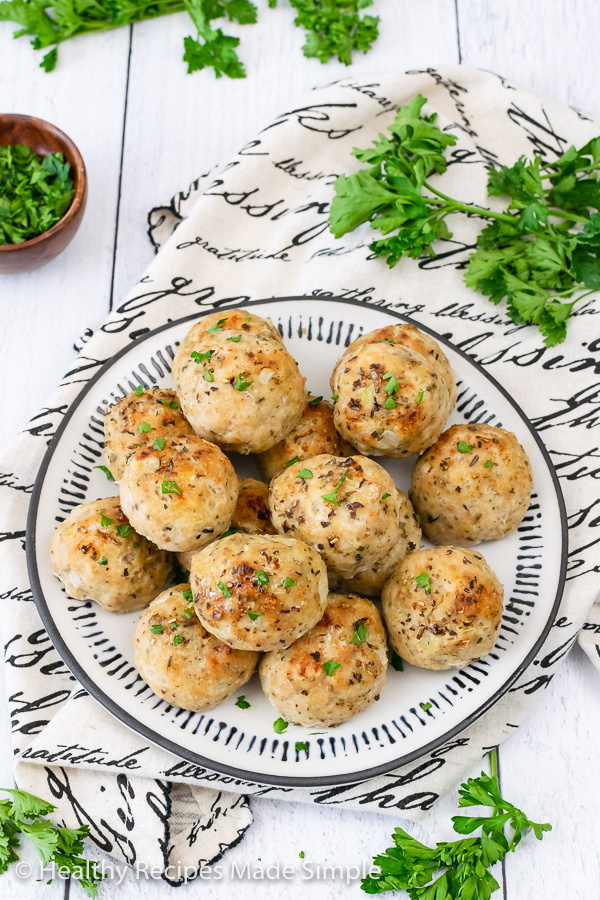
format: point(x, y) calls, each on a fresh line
point(214, 766)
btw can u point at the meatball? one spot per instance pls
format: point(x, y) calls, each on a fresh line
point(443, 608)
point(347, 509)
point(371, 581)
point(333, 672)
point(180, 660)
point(312, 435)
point(395, 390)
point(139, 419)
point(98, 556)
point(242, 391)
point(258, 592)
point(473, 485)
point(251, 514)
point(240, 320)
point(182, 496)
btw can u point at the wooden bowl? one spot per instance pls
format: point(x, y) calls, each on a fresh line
point(43, 138)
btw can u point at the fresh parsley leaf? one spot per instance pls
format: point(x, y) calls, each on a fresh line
point(390, 403)
point(144, 428)
point(35, 191)
point(169, 487)
point(280, 726)
point(139, 390)
point(330, 666)
point(288, 582)
point(217, 328)
point(157, 629)
point(423, 581)
point(124, 530)
point(172, 404)
point(159, 443)
point(105, 522)
point(332, 497)
point(107, 472)
point(240, 384)
point(177, 639)
point(385, 496)
point(231, 530)
point(300, 746)
point(417, 518)
point(223, 588)
point(253, 616)
point(189, 613)
point(304, 473)
point(200, 357)
point(314, 401)
point(396, 662)
point(463, 447)
point(425, 706)
point(242, 703)
point(488, 464)
point(49, 61)
point(103, 561)
point(236, 339)
point(208, 376)
point(301, 854)
point(188, 596)
point(291, 462)
point(360, 633)
point(420, 396)
point(262, 577)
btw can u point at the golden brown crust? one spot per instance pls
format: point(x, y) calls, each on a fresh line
point(252, 514)
point(120, 570)
point(443, 608)
point(257, 592)
point(157, 408)
point(481, 494)
point(313, 434)
point(298, 685)
point(181, 497)
point(180, 660)
point(363, 379)
point(240, 320)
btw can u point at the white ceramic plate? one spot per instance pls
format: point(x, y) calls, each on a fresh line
point(96, 645)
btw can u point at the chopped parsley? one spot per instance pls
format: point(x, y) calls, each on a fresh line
point(139, 390)
point(215, 329)
point(314, 401)
point(396, 662)
point(488, 464)
point(223, 588)
point(304, 473)
point(233, 529)
point(177, 639)
point(385, 496)
point(417, 518)
point(280, 726)
point(253, 616)
point(200, 357)
point(242, 703)
point(420, 396)
point(144, 428)
point(360, 634)
point(172, 404)
point(240, 384)
point(423, 582)
point(330, 666)
point(390, 403)
point(188, 596)
point(103, 561)
point(385, 341)
point(301, 854)
point(248, 318)
point(157, 629)
point(35, 191)
point(291, 462)
point(159, 444)
point(169, 487)
point(105, 521)
point(301, 745)
point(332, 497)
point(107, 472)
point(463, 447)
point(236, 339)
point(189, 613)
point(123, 530)
point(289, 582)
point(208, 376)
point(392, 386)
point(335, 397)
point(262, 577)
point(425, 706)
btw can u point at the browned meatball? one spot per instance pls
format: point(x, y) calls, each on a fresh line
point(474, 484)
point(333, 672)
point(139, 419)
point(312, 435)
point(395, 390)
point(443, 608)
point(240, 320)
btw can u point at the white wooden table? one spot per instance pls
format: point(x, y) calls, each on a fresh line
point(127, 117)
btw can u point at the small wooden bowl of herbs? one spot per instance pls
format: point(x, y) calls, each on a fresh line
point(43, 190)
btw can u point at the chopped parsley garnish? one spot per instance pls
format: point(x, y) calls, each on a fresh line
point(385, 341)
point(314, 401)
point(159, 443)
point(240, 384)
point(360, 635)
point(223, 588)
point(253, 616)
point(123, 530)
point(463, 447)
point(392, 386)
point(396, 662)
point(262, 577)
point(157, 629)
point(139, 390)
point(236, 339)
point(200, 357)
point(242, 703)
point(291, 462)
point(172, 404)
point(208, 376)
point(301, 745)
point(248, 318)
point(304, 473)
point(188, 596)
point(385, 496)
point(107, 472)
point(177, 639)
point(510, 605)
point(423, 582)
point(488, 464)
point(169, 487)
point(335, 397)
point(301, 854)
point(332, 497)
point(35, 191)
point(280, 726)
point(425, 706)
point(144, 428)
point(105, 521)
point(417, 518)
point(215, 329)
point(103, 561)
point(330, 666)
point(233, 529)
point(189, 613)
point(289, 582)
point(390, 403)
point(420, 396)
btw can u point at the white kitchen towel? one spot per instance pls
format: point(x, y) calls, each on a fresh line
point(257, 228)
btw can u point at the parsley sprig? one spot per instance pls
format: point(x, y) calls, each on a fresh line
point(25, 814)
point(410, 866)
point(539, 254)
point(334, 27)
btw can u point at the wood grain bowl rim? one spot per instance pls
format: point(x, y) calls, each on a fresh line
point(79, 180)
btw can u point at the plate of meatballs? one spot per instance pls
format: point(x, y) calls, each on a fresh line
point(301, 542)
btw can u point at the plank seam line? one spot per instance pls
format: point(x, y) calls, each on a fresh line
point(114, 260)
point(458, 33)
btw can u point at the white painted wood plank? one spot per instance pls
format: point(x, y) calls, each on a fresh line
point(179, 125)
point(44, 311)
point(549, 46)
